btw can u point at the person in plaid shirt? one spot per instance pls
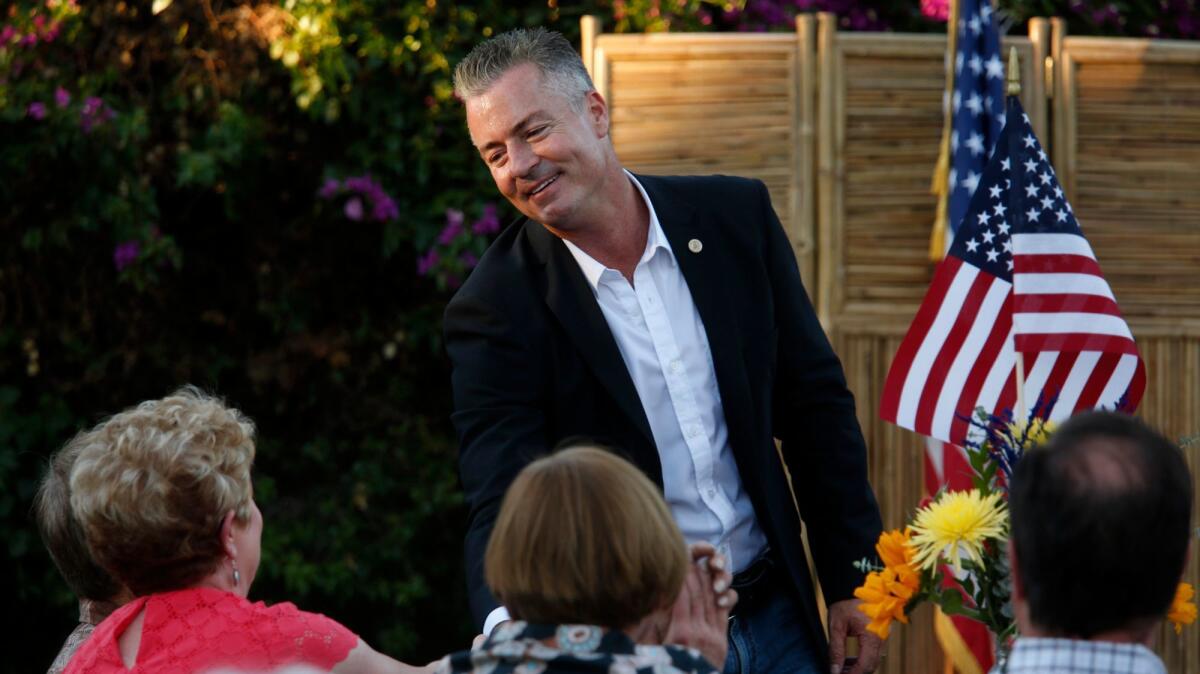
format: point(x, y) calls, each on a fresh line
point(1100, 529)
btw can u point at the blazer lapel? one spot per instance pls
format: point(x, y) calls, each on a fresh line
point(571, 300)
point(705, 272)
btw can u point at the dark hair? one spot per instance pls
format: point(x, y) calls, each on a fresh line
point(1100, 521)
point(63, 536)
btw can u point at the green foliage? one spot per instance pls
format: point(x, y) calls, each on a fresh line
point(160, 224)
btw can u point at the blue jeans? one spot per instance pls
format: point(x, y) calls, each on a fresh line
point(769, 637)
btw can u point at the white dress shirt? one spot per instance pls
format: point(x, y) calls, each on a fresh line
point(662, 341)
point(1073, 656)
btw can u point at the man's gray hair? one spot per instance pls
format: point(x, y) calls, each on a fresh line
point(559, 63)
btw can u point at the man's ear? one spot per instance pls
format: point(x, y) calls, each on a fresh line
point(227, 535)
point(597, 112)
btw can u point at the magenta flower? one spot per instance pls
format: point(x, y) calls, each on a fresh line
point(385, 209)
point(454, 226)
point(427, 262)
point(52, 34)
point(329, 188)
point(939, 10)
point(94, 113)
point(468, 259)
point(488, 222)
point(7, 34)
point(36, 110)
point(126, 254)
point(353, 209)
point(62, 97)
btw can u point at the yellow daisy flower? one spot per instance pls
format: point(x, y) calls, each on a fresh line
point(1183, 609)
point(1036, 432)
point(956, 524)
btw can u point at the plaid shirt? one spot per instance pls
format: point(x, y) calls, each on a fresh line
point(1073, 656)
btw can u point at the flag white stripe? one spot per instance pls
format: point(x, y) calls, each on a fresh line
point(931, 346)
point(1118, 383)
point(1066, 322)
point(960, 369)
point(1051, 244)
point(1036, 374)
point(1073, 387)
point(1068, 284)
point(993, 384)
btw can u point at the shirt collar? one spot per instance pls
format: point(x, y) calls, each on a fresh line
point(656, 239)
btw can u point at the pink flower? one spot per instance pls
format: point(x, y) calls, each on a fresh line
point(427, 262)
point(62, 97)
point(36, 110)
point(938, 10)
point(329, 188)
point(353, 208)
point(126, 254)
point(454, 226)
point(6, 35)
point(29, 40)
point(468, 259)
point(94, 113)
point(52, 34)
point(385, 209)
point(488, 222)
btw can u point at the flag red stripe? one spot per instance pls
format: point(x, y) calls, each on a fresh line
point(894, 385)
point(949, 351)
point(1054, 382)
point(1055, 264)
point(969, 400)
point(1075, 341)
point(1097, 380)
point(1064, 302)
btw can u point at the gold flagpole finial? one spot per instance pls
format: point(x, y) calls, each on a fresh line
point(1014, 73)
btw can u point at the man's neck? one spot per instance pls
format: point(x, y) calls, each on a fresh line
point(616, 230)
point(1144, 637)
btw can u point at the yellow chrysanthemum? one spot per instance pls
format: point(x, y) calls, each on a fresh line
point(885, 593)
point(957, 523)
point(1036, 431)
point(1183, 609)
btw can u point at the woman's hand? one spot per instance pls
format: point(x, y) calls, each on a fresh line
point(700, 615)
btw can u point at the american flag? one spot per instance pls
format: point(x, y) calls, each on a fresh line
point(977, 104)
point(1019, 276)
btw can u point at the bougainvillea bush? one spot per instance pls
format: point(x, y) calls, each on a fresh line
point(273, 200)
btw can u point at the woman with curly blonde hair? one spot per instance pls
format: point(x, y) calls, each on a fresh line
point(163, 494)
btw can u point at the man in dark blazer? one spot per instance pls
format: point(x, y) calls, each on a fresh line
point(559, 332)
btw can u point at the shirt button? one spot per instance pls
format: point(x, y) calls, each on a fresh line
point(712, 492)
point(676, 366)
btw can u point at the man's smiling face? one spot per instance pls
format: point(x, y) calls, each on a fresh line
point(548, 158)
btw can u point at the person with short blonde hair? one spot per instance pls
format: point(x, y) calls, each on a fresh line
point(596, 575)
point(98, 594)
point(162, 492)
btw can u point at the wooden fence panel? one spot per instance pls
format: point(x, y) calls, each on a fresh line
point(844, 129)
point(738, 104)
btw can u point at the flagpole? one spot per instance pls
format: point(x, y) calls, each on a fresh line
point(1014, 89)
point(941, 173)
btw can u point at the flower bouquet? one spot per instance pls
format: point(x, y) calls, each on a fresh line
point(953, 552)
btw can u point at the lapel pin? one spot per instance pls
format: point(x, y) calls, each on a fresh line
point(695, 246)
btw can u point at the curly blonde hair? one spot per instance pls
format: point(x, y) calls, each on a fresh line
point(151, 486)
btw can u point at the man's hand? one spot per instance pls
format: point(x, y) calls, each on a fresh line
point(700, 615)
point(845, 620)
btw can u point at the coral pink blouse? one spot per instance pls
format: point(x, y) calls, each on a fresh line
point(198, 629)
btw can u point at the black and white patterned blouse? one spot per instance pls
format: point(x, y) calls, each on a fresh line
point(524, 648)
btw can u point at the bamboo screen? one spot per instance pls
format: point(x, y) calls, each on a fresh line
point(737, 104)
point(848, 148)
